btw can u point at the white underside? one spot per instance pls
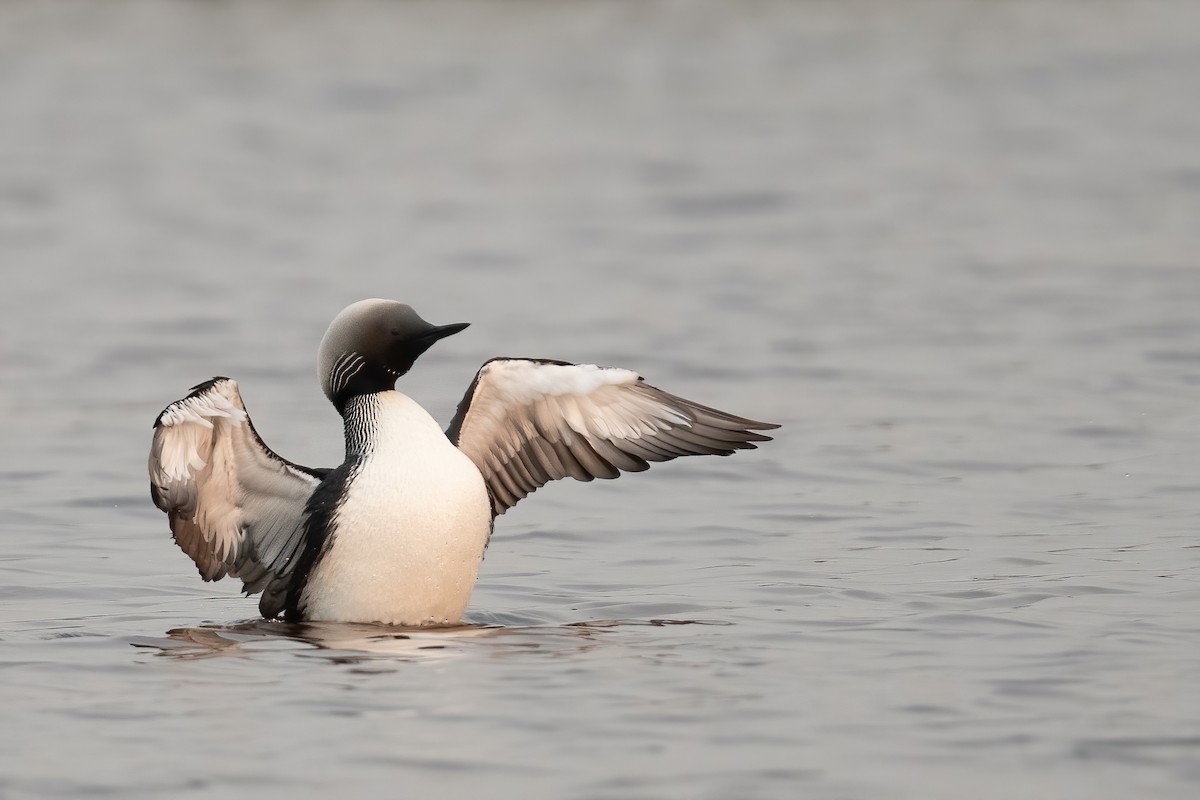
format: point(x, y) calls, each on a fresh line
point(410, 535)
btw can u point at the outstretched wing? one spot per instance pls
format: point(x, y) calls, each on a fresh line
point(526, 422)
point(234, 506)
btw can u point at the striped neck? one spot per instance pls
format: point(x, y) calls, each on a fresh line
point(361, 417)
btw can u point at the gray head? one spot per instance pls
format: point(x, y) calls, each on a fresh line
point(372, 343)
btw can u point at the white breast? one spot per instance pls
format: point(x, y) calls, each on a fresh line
point(408, 538)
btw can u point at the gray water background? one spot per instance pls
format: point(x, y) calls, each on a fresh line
point(952, 247)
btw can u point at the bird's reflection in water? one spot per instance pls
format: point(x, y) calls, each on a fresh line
point(350, 642)
point(356, 643)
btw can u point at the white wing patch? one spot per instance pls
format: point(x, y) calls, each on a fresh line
point(234, 506)
point(524, 381)
point(525, 423)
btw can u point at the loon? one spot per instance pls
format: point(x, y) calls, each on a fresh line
point(396, 534)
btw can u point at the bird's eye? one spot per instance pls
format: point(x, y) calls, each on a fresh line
point(395, 331)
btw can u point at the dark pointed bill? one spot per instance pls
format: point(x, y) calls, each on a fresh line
point(442, 331)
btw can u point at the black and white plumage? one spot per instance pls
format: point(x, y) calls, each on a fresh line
point(396, 533)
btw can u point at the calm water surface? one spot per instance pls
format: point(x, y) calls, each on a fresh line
point(951, 246)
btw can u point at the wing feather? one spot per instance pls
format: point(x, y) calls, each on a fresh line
point(526, 422)
point(234, 506)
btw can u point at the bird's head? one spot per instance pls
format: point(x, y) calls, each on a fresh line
point(370, 344)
